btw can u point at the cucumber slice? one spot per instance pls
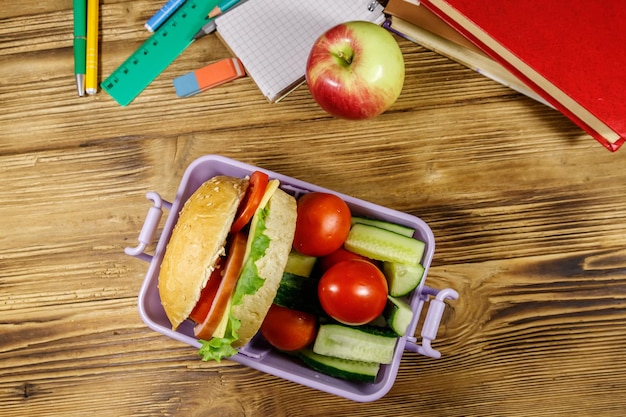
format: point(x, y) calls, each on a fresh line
point(378, 323)
point(341, 368)
point(392, 227)
point(398, 314)
point(351, 343)
point(383, 245)
point(300, 264)
point(298, 293)
point(402, 278)
point(376, 330)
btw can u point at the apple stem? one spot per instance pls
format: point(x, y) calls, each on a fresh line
point(347, 58)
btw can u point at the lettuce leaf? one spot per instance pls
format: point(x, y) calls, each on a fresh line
point(218, 348)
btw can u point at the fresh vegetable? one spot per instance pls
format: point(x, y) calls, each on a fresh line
point(341, 368)
point(398, 314)
point(353, 292)
point(384, 245)
point(299, 293)
point(322, 225)
point(354, 343)
point(288, 329)
point(236, 250)
point(300, 264)
point(337, 256)
point(392, 227)
point(402, 278)
point(251, 200)
point(208, 293)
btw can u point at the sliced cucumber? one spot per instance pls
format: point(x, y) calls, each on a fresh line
point(393, 227)
point(376, 330)
point(298, 293)
point(379, 322)
point(398, 314)
point(354, 344)
point(383, 245)
point(300, 264)
point(341, 368)
point(402, 278)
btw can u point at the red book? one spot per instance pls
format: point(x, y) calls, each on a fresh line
point(571, 52)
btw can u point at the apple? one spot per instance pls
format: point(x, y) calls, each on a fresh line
point(355, 70)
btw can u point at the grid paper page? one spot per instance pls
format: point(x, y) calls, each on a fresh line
point(272, 38)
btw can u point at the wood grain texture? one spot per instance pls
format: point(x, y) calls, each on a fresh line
point(528, 213)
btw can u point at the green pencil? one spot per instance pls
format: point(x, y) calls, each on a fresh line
point(80, 44)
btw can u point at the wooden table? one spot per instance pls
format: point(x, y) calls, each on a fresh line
point(528, 212)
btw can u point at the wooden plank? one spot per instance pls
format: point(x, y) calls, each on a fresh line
point(528, 214)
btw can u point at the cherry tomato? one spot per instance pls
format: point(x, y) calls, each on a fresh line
point(251, 200)
point(341, 254)
point(353, 292)
point(288, 329)
point(322, 224)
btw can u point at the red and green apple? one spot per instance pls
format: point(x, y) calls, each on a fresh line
point(355, 70)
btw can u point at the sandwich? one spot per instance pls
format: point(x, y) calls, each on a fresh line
point(225, 258)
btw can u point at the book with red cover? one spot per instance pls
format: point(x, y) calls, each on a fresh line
point(572, 52)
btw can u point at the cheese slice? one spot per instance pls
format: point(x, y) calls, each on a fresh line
point(271, 188)
point(220, 330)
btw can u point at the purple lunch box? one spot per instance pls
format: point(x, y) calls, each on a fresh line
point(257, 353)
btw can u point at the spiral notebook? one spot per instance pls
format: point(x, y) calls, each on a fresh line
point(272, 38)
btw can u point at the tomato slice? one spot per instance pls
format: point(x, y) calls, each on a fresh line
point(207, 295)
point(235, 254)
point(252, 199)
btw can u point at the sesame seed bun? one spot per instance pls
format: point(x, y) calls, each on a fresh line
point(196, 243)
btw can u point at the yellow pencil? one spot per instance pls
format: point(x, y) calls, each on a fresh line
point(91, 76)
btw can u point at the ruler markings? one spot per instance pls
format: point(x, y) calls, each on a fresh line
point(158, 51)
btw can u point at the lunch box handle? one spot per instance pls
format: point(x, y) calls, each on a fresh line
point(149, 228)
point(430, 327)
